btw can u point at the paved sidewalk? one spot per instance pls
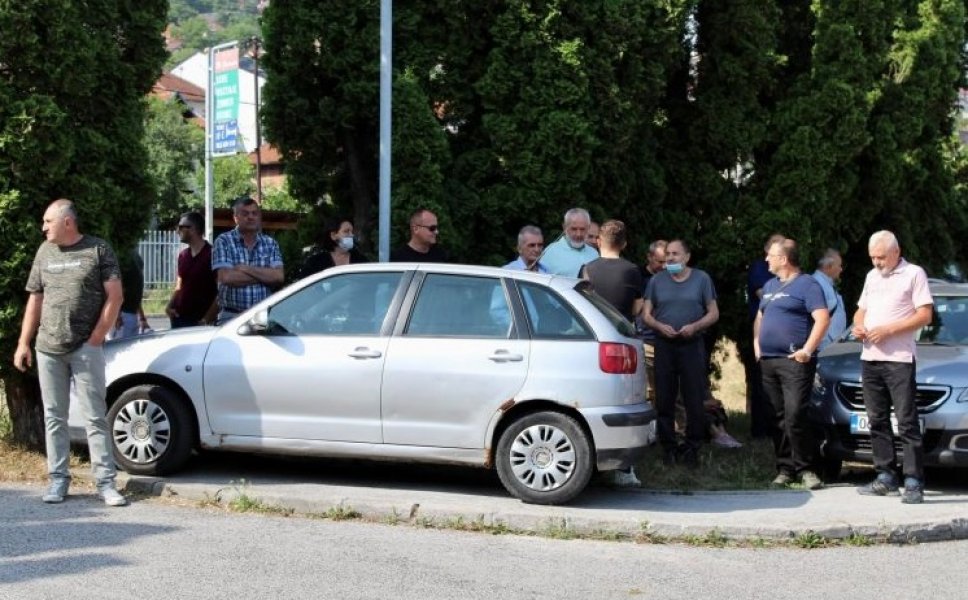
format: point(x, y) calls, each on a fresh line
point(835, 512)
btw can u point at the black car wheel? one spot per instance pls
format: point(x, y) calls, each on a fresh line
point(151, 430)
point(544, 458)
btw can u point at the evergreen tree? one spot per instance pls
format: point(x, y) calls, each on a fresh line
point(72, 81)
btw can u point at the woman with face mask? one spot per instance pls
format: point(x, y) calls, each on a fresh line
point(335, 247)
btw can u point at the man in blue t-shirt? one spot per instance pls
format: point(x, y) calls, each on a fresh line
point(789, 326)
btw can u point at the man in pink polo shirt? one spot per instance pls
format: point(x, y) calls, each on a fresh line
point(895, 302)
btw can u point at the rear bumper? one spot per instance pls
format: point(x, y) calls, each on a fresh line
point(622, 434)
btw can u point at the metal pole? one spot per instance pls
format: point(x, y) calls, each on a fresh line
point(209, 138)
point(386, 93)
point(258, 128)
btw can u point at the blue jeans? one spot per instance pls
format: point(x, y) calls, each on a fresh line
point(886, 383)
point(84, 368)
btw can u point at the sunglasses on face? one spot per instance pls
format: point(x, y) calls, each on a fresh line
point(432, 228)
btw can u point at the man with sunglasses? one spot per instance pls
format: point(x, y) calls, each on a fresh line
point(530, 247)
point(422, 246)
point(193, 301)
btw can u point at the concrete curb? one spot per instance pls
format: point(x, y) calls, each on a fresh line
point(621, 521)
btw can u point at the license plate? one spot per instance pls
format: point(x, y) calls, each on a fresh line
point(860, 424)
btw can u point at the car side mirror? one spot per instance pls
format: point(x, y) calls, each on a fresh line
point(257, 325)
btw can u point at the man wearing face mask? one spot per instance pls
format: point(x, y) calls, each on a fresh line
point(336, 246)
point(680, 303)
point(570, 252)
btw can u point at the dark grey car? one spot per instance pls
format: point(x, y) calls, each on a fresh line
point(837, 403)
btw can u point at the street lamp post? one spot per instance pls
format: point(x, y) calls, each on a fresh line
point(252, 44)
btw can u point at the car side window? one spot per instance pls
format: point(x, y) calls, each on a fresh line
point(549, 316)
point(350, 304)
point(460, 306)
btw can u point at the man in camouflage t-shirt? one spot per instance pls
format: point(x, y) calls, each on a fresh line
point(75, 294)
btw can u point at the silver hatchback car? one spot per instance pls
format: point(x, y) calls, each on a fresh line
point(531, 374)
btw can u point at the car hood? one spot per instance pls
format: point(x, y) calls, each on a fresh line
point(937, 364)
point(158, 352)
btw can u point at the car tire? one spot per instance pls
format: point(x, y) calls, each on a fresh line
point(544, 458)
point(151, 430)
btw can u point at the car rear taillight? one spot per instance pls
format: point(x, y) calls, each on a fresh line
point(620, 359)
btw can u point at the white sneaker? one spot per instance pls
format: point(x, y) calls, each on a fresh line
point(56, 492)
point(724, 440)
point(625, 479)
point(112, 497)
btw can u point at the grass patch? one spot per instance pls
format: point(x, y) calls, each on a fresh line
point(748, 468)
point(156, 299)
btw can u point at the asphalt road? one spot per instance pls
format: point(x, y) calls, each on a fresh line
point(153, 549)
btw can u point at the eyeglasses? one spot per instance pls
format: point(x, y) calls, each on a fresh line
point(432, 228)
point(534, 245)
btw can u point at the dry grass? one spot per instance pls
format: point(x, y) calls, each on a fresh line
point(731, 387)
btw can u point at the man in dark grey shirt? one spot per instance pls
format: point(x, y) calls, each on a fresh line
point(680, 303)
point(75, 294)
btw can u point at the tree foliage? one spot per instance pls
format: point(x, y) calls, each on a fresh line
point(720, 122)
point(72, 81)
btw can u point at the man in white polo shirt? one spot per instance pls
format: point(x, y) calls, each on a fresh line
point(896, 301)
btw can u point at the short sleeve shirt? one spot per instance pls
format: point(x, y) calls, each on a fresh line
point(618, 281)
point(561, 259)
point(679, 303)
point(890, 298)
point(71, 278)
point(787, 314)
point(229, 250)
point(198, 286)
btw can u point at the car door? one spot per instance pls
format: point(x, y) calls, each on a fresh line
point(314, 373)
point(453, 364)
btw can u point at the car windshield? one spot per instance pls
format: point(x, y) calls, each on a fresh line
point(616, 318)
point(949, 323)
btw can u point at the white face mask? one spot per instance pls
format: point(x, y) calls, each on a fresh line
point(346, 243)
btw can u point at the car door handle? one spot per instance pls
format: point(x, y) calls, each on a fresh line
point(505, 356)
point(364, 352)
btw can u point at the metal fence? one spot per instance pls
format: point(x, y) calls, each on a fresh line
point(159, 250)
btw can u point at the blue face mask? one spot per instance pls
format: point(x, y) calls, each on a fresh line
point(346, 243)
point(675, 268)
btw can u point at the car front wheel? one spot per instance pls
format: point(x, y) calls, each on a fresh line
point(544, 458)
point(151, 430)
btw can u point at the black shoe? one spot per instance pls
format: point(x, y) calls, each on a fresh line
point(690, 458)
point(883, 485)
point(913, 491)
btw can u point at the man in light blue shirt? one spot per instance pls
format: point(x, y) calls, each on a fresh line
point(567, 255)
point(829, 268)
point(530, 246)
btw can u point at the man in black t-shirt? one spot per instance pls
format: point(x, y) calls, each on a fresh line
point(617, 280)
point(422, 246)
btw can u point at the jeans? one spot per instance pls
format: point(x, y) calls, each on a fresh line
point(680, 367)
point(886, 383)
point(84, 368)
point(130, 327)
point(787, 384)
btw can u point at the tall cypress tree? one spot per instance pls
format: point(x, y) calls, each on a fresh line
point(72, 81)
